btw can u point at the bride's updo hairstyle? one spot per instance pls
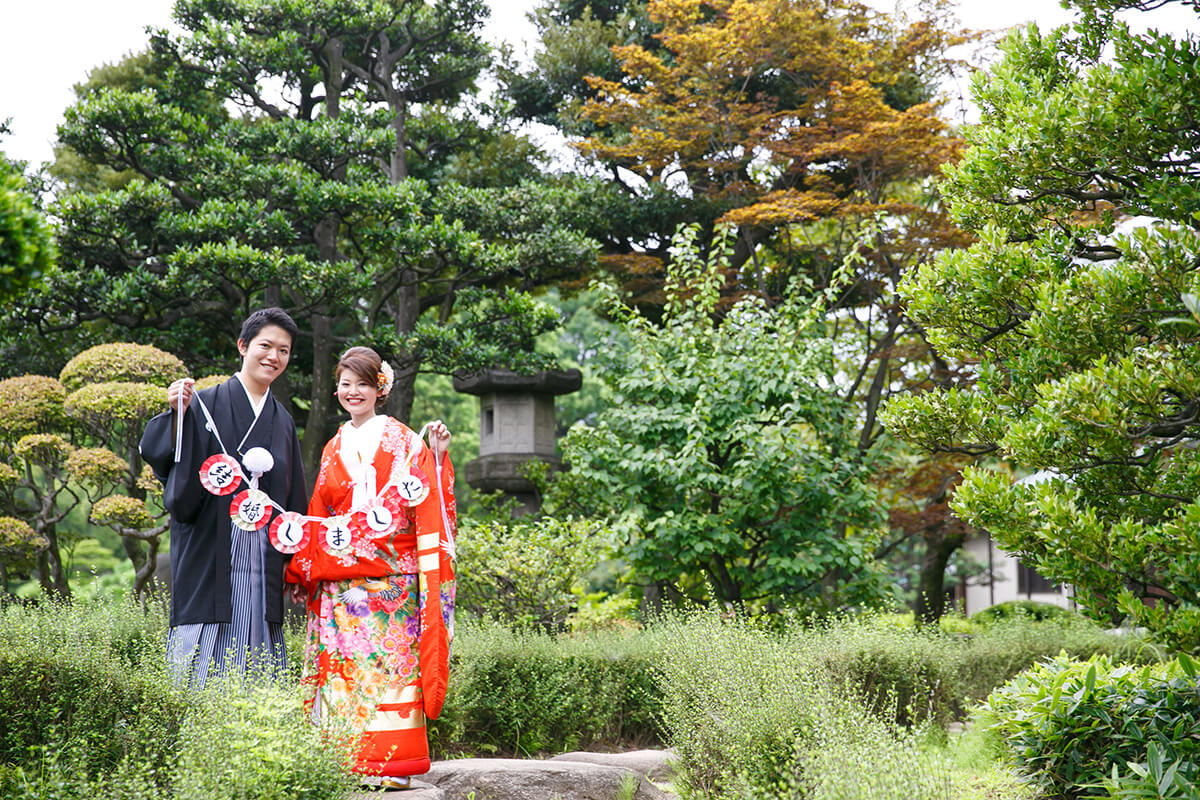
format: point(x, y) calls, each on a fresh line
point(365, 363)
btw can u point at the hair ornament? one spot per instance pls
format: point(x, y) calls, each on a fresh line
point(383, 382)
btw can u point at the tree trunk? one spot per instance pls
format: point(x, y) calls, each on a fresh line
point(931, 586)
point(51, 574)
point(145, 573)
point(316, 428)
point(408, 311)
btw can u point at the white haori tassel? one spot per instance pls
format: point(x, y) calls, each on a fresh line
point(258, 461)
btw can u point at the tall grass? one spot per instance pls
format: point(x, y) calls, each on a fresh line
point(89, 710)
point(850, 709)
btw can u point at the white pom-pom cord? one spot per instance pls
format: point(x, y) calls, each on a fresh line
point(257, 460)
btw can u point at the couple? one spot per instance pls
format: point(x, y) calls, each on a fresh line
point(380, 612)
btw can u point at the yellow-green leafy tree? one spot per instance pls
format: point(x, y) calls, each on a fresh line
point(71, 442)
point(114, 389)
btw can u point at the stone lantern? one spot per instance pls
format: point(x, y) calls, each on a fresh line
point(516, 424)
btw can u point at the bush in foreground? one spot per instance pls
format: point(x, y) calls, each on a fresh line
point(90, 712)
point(1075, 726)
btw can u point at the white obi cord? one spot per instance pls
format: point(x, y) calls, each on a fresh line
point(358, 448)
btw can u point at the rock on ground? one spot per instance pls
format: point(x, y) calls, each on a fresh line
point(419, 790)
point(520, 779)
point(654, 764)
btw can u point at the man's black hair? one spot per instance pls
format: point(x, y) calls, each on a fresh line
point(264, 317)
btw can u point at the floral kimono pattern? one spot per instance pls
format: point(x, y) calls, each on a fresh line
point(380, 624)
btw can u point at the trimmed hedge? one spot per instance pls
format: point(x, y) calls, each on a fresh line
point(528, 693)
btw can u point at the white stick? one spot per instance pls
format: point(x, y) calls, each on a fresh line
point(178, 430)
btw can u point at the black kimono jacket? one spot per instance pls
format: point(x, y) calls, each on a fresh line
point(200, 522)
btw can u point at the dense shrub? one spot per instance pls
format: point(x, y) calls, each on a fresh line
point(524, 572)
point(1068, 723)
point(829, 712)
point(751, 716)
point(1028, 609)
point(86, 686)
point(123, 362)
point(90, 712)
point(32, 404)
point(919, 674)
point(525, 693)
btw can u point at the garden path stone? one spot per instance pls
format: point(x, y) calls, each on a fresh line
point(419, 790)
point(657, 765)
point(521, 779)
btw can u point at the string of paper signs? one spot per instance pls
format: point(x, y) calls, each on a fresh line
point(343, 536)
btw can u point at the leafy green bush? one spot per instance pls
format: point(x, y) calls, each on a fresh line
point(256, 742)
point(1027, 609)
point(32, 404)
point(1068, 722)
point(90, 712)
point(1156, 778)
point(752, 716)
point(85, 689)
point(523, 573)
point(526, 692)
point(922, 674)
point(121, 362)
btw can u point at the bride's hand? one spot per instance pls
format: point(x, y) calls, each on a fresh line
point(439, 438)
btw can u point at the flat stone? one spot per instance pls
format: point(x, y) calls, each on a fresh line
point(654, 764)
point(418, 790)
point(521, 779)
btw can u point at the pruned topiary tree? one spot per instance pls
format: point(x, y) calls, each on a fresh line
point(115, 389)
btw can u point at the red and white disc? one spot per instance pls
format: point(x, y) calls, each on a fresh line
point(289, 532)
point(383, 514)
point(336, 537)
point(250, 509)
point(412, 487)
point(221, 474)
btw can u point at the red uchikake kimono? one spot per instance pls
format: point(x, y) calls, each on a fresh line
point(380, 624)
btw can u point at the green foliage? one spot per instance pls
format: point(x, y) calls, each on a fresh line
point(104, 406)
point(96, 466)
point(121, 362)
point(46, 450)
point(90, 557)
point(18, 541)
point(528, 693)
point(727, 465)
point(1021, 609)
point(1082, 325)
point(1067, 722)
point(27, 251)
point(760, 714)
point(32, 404)
point(378, 203)
point(1156, 778)
point(91, 712)
point(915, 674)
point(120, 511)
point(524, 573)
point(259, 744)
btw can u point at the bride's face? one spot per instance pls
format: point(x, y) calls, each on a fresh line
point(357, 395)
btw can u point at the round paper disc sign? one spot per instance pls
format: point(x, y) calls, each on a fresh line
point(336, 536)
point(383, 514)
point(412, 487)
point(220, 474)
point(289, 532)
point(250, 509)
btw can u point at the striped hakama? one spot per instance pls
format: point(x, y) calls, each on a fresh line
point(249, 644)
